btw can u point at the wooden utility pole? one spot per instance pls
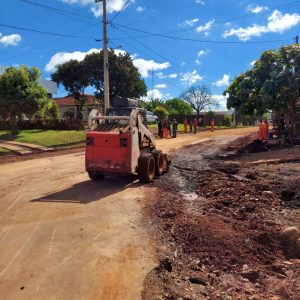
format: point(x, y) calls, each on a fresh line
point(105, 57)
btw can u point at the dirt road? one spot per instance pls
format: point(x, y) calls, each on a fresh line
point(65, 237)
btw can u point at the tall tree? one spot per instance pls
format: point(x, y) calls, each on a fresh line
point(21, 93)
point(198, 97)
point(177, 106)
point(272, 84)
point(73, 76)
point(124, 78)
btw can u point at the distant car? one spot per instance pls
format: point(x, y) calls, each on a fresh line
point(151, 118)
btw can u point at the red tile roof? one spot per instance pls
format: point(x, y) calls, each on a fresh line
point(69, 100)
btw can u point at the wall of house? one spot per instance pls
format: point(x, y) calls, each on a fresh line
point(85, 112)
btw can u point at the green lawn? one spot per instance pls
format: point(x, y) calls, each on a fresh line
point(47, 138)
point(3, 151)
point(181, 127)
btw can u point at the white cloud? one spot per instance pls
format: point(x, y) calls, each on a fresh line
point(182, 64)
point(174, 75)
point(161, 86)
point(189, 23)
point(206, 28)
point(202, 53)
point(221, 100)
point(141, 8)
point(277, 23)
point(252, 63)
point(200, 2)
point(223, 81)
point(189, 78)
point(96, 9)
point(10, 40)
point(144, 66)
point(63, 57)
point(256, 9)
point(155, 93)
point(161, 75)
point(197, 61)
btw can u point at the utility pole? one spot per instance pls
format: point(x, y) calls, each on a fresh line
point(105, 57)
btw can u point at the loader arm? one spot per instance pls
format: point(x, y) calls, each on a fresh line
point(144, 131)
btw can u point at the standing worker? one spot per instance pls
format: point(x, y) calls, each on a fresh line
point(191, 126)
point(212, 125)
point(160, 127)
point(266, 130)
point(195, 124)
point(261, 131)
point(174, 125)
point(169, 127)
point(185, 124)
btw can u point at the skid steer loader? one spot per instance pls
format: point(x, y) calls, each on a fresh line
point(120, 142)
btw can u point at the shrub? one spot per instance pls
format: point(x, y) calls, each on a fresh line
point(227, 121)
point(161, 112)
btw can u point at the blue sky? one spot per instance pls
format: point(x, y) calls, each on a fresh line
point(191, 45)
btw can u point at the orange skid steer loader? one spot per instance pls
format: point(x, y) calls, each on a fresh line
point(121, 143)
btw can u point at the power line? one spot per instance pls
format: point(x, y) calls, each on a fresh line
point(284, 6)
point(196, 40)
point(45, 32)
point(54, 9)
point(42, 46)
point(117, 14)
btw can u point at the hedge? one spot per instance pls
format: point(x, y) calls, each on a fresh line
point(60, 124)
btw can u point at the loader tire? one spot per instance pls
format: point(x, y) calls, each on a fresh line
point(95, 176)
point(159, 162)
point(146, 168)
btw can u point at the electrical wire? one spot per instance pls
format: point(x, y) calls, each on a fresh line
point(46, 32)
point(118, 13)
point(196, 40)
point(54, 9)
point(42, 46)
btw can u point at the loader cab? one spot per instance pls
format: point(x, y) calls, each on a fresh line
point(126, 111)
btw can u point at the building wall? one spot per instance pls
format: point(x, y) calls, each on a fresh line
point(85, 112)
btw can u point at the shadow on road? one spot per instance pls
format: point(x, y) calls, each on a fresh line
point(89, 191)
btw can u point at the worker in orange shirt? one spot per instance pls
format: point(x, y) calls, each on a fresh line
point(261, 131)
point(212, 125)
point(185, 124)
point(266, 130)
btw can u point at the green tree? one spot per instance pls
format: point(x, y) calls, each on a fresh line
point(211, 114)
point(52, 110)
point(177, 106)
point(153, 103)
point(272, 84)
point(20, 93)
point(73, 76)
point(198, 97)
point(124, 78)
point(160, 112)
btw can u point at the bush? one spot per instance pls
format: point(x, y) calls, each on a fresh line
point(45, 125)
point(227, 121)
point(161, 112)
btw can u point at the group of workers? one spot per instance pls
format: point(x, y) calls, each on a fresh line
point(169, 128)
point(164, 128)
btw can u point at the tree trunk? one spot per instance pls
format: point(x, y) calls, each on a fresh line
point(14, 124)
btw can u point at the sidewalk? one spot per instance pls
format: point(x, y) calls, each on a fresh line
point(23, 148)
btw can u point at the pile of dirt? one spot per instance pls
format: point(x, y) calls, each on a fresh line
point(219, 227)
